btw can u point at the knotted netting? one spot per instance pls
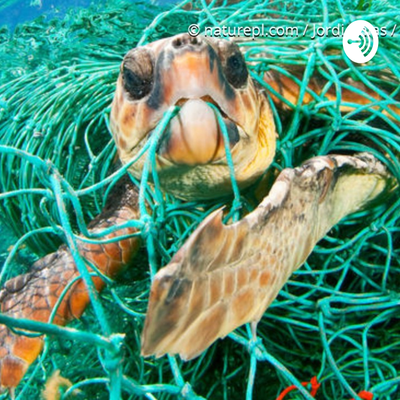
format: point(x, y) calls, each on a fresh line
point(337, 317)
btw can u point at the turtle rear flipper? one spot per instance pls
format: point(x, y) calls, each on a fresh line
point(227, 275)
point(35, 294)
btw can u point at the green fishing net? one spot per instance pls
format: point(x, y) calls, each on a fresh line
point(336, 318)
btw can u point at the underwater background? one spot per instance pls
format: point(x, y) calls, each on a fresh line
point(337, 319)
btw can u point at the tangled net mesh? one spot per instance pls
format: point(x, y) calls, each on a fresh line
point(337, 317)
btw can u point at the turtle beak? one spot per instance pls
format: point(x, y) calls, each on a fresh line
point(194, 136)
point(220, 109)
point(189, 74)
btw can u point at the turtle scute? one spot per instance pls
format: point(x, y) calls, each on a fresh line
point(211, 287)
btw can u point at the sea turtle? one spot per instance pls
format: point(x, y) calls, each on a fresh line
point(224, 275)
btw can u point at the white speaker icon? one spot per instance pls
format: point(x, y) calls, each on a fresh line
point(360, 41)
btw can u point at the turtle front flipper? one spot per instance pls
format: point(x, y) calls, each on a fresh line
point(284, 89)
point(35, 294)
point(227, 275)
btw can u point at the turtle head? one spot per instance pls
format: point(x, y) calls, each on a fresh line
point(199, 75)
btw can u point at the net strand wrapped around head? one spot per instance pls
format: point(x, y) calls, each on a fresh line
point(336, 317)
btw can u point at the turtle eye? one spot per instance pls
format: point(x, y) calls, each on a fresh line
point(236, 70)
point(137, 73)
point(233, 63)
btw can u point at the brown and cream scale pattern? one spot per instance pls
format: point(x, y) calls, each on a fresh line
point(224, 276)
point(35, 294)
point(194, 73)
point(227, 275)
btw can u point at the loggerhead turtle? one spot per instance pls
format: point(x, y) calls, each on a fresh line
point(224, 275)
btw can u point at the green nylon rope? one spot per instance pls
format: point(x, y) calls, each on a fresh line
point(337, 317)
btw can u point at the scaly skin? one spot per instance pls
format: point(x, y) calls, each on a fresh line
point(223, 276)
point(227, 275)
point(192, 72)
point(34, 295)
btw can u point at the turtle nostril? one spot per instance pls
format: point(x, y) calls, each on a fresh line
point(177, 42)
point(184, 41)
point(195, 41)
point(180, 41)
